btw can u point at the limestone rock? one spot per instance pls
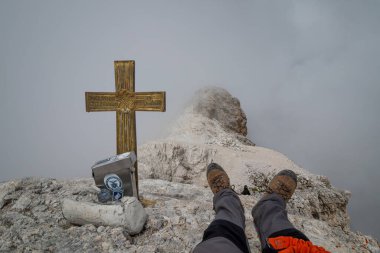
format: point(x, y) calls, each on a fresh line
point(252, 166)
point(177, 216)
point(5, 189)
point(129, 213)
point(214, 117)
point(218, 104)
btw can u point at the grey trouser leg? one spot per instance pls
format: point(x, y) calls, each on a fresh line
point(217, 245)
point(228, 208)
point(269, 216)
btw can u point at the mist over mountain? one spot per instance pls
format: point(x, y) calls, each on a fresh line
point(174, 188)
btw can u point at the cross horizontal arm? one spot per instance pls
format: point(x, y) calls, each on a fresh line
point(149, 101)
point(101, 101)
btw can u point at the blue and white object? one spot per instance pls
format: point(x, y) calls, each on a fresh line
point(117, 174)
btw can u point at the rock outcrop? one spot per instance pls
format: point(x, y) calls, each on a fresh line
point(175, 193)
point(218, 104)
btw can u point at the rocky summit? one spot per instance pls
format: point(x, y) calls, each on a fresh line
point(174, 191)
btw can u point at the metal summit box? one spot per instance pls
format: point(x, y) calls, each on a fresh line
point(123, 166)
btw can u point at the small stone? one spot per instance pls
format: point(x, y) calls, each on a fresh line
point(22, 203)
point(6, 189)
point(106, 246)
point(100, 229)
point(90, 227)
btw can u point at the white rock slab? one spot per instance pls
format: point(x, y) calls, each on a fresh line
point(129, 214)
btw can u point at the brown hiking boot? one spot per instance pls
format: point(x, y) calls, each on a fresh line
point(284, 184)
point(217, 178)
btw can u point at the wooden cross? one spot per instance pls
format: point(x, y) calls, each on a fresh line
point(125, 101)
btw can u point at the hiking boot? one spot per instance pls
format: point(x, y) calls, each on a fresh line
point(217, 178)
point(284, 184)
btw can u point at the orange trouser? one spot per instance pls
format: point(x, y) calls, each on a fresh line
point(288, 244)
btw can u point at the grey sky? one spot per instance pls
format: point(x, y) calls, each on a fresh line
point(306, 72)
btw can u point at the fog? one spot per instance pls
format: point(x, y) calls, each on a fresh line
point(306, 72)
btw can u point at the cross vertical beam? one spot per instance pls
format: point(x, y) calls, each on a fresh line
point(125, 121)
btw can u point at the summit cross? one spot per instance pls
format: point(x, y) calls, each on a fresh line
point(125, 101)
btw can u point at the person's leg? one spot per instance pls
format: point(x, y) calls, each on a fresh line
point(269, 215)
point(226, 231)
point(271, 219)
point(228, 207)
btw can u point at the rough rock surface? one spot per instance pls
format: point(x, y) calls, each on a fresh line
point(213, 117)
point(218, 104)
point(175, 192)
